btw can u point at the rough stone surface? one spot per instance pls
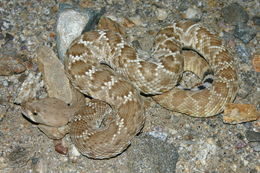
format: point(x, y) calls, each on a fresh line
point(256, 20)
point(10, 65)
point(235, 13)
point(238, 113)
point(56, 81)
point(244, 33)
point(29, 88)
point(154, 154)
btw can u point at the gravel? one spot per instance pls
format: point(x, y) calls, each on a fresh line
point(169, 142)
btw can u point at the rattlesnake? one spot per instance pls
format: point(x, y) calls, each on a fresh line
point(102, 65)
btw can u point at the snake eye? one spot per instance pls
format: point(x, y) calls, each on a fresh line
point(35, 113)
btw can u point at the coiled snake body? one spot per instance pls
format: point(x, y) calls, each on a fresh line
point(102, 65)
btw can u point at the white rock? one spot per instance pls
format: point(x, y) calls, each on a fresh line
point(192, 13)
point(161, 14)
point(70, 25)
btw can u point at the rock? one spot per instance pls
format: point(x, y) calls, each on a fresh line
point(60, 147)
point(160, 135)
point(243, 53)
point(161, 14)
point(256, 20)
point(244, 33)
point(10, 65)
point(256, 62)
point(148, 154)
point(39, 165)
point(137, 20)
point(192, 13)
point(29, 88)
point(54, 76)
point(8, 37)
point(74, 154)
point(239, 113)
point(128, 23)
point(1, 36)
point(255, 146)
point(234, 13)
point(19, 156)
point(71, 23)
point(252, 136)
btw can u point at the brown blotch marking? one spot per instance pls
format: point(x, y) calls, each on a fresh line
point(185, 25)
point(204, 33)
point(100, 77)
point(128, 52)
point(223, 56)
point(168, 63)
point(207, 37)
point(120, 61)
point(91, 36)
point(168, 32)
point(127, 111)
point(181, 95)
point(114, 38)
point(220, 88)
point(121, 88)
point(227, 73)
point(79, 68)
point(201, 97)
point(159, 38)
point(78, 49)
point(170, 45)
point(214, 41)
point(148, 70)
point(165, 82)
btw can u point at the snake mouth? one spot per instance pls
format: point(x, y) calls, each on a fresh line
point(29, 116)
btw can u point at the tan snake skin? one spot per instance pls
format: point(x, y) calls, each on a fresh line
point(100, 64)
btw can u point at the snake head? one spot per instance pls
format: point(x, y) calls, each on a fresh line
point(48, 111)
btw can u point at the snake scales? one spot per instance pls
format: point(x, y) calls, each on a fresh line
point(102, 65)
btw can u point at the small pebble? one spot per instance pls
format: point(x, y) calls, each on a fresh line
point(159, 135)
point(10, 65)
point(5, 83)
point(256, 20)
point(161, 14)
point(128, 23)
point(1, 36)
point(60, 148)
point(253, 136)
point(244, 33)
point(243, 53)
point(8, 37)
point(234, 13)
point(192, 13)
point(240, 144)
point(255, 146)
point(19, 156)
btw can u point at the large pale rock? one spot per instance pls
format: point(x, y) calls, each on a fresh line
point(54, 76)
